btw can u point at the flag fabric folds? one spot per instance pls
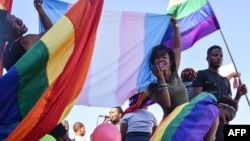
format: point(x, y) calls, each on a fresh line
point(120, 63)
point(124, 41)
point(196, 20)
point(55, 9)
point(189, 121)
point(41, 88)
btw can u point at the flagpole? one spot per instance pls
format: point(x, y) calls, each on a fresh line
point(233, 63)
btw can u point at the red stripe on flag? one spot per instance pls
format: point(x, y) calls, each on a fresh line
point(7, 4)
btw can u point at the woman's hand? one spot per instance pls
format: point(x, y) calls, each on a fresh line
point(158, 72)
point(38, 2)
point(173, 19)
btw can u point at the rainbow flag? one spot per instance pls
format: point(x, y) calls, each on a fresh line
point(41, 88)
point(120, 63)
point(189, 121)
point(196, 20)
point(120, 67)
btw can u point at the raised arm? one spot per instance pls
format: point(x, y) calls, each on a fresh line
point(43, 16)
point(232, 74)
point(29, 40)
point(176, 42)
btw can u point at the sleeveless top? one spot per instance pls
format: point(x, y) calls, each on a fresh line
point(13, 52)
point(177, 92)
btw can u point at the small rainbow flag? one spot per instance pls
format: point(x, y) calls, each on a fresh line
point(196, 20)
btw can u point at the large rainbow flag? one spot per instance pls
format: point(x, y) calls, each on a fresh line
point(120, 64)
point(43, 85)
point(196, 20)
point(119, 67)
point(189, 121)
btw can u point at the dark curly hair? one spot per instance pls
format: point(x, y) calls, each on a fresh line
point(160, 50)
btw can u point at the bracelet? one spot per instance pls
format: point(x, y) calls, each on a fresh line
point(162, 87)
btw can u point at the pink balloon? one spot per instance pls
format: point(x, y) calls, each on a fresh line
point(106, 132)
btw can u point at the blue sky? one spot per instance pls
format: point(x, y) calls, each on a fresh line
point(232, 17)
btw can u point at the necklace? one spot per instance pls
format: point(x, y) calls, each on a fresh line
point(12, 43)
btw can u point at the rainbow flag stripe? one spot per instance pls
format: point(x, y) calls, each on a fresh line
point(189, 121)
point(120, 59)
point(196, 20)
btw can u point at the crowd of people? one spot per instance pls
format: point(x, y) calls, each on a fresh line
point(170, 90)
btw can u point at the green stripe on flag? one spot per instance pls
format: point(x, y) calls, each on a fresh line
point(32, 76)
point(186, 8)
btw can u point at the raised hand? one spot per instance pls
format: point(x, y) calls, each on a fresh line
point(38, 2)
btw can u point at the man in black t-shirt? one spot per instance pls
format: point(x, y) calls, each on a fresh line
point(211, 81)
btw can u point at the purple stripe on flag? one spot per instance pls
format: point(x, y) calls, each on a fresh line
point(202, 111)
point(194, 27)
point(203, 125)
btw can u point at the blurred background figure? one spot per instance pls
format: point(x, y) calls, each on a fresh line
point(187, 77)
point(65, 123)
point(79, 130)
